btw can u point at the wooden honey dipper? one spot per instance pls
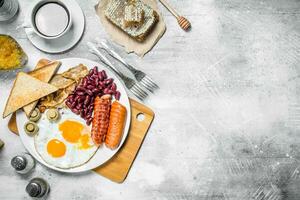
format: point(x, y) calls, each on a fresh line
point(182, 21)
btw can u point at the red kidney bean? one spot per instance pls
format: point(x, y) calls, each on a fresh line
point(82, 114)
point(84, 82)
point(108, 81)
point(97, 82)
point(101, 78)
point(73, 104)
point(78, 106)
point(91, 78)
point(106, 91)
point(95, 70)
point(108, 86)
point(90, 87)
point(100, 87)
point(95, 91)
point(87, 100)
point(113, 87)
point(117, 95)
point(74, 110)
point(104, 74)
point(86, 110)
point(92, 100)
point(82, 98)
point(76, 98)
point(88, 115)
point(80, 88)
point(71, 100)
point(79, 93)
point(89, 121)
point(95, 75)
point(68, 104)
point(91, 105)
point(101, 84)
point(89, 92)
point(92, 83)
point(90, 110)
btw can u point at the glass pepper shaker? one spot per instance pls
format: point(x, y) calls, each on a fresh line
point(38, 188)
point(23, 163)
point(8, 9)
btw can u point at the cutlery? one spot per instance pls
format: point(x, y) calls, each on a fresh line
point(140, 76)
point(182, 21)
point(131, 84)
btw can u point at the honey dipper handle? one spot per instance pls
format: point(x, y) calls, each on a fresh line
point(170, 8)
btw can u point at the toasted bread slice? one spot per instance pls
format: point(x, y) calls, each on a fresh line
point(43, 73)
point(61, 82)
point(26, 89)
point(42, 63)
point(12, 124)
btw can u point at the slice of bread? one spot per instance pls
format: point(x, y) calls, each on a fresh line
point(26, 89)
point(42, 63)
point(12, 124)
point(43, 73)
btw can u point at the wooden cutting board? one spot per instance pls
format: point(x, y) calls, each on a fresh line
point(117, 168)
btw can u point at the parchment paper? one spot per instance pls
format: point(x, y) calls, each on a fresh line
point(121, 38)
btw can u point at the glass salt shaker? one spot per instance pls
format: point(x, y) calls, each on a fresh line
point(38, 188)
point(8, 9)
point(23, 163)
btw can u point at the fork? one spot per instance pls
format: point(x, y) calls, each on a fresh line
point(140, 76)
point(133, 86)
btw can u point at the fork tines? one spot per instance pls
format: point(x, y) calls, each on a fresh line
point(148, 83)
point(138, 91)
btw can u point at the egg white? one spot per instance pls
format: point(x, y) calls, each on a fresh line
point(74, 156)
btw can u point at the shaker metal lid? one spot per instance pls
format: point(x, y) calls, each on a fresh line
point(19, 163)
point(1, 2)
point(33, 189)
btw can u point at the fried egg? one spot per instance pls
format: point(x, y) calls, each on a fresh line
point(66, 143)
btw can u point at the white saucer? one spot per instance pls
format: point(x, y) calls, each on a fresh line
point(65, 42)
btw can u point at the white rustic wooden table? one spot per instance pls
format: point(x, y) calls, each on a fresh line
point(227, 113)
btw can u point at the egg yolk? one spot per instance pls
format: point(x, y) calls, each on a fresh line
point(56, 148)
point(84, 142)
point(71, 130)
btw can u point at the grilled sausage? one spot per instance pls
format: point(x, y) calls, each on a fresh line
point(116, 125)
point(101, 119)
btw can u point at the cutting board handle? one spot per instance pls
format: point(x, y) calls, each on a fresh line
point(117, 168)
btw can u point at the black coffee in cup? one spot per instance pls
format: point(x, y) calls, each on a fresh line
point(51, 19)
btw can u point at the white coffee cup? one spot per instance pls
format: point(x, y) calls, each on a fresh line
point(49, 19)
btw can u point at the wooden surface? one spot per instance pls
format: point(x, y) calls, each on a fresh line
point(118, 167)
